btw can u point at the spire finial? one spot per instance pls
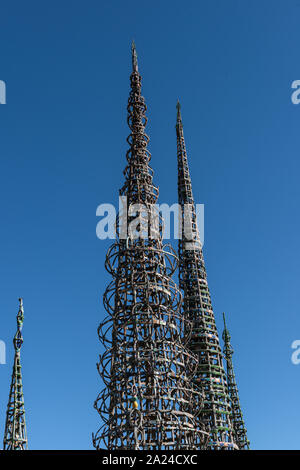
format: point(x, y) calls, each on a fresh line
point(134, 57)
point(226, 335)
point(224, 319)
point(18, 339)
point(178, 106)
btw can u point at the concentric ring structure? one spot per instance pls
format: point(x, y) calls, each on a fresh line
point(15, 436)
point(238, 423)
point(197, 308)
point(148, 401)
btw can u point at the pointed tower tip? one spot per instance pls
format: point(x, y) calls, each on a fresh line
point(226, 334)
point(134, 57)
point(178, 106)
point(20, 314)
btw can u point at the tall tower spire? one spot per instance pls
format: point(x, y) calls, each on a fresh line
point(15, 437)
point(237, 417)
point(134, 57)
point(197, 308)
point(147, 402)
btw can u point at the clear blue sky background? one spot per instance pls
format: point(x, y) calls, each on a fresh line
point(62, 152)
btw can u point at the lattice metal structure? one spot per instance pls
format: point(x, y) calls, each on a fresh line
point(197, 307)
point(148, 401)
point(15, 436)
point(238, 423)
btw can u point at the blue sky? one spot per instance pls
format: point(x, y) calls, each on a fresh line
point(62, 153)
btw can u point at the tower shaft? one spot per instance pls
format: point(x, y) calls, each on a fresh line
point(147, 401)
point(238, 423)
point(15, 436)
point(197, 308)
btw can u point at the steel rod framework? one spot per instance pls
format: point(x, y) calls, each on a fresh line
point(240, 430)
point(197, 308)
point(15, 436)
point(148, 401)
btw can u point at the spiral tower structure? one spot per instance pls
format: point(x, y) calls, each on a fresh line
point(149, 399)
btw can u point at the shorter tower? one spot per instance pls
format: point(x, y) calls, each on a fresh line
point(240, 432)
point(197, 307)
point(15, 436)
